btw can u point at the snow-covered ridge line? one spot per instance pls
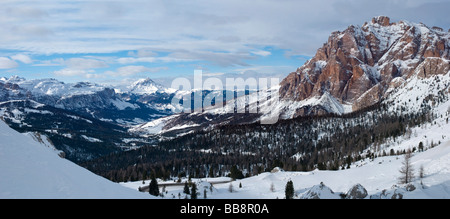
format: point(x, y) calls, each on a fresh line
point(53, 87)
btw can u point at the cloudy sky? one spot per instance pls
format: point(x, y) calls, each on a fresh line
point(112, 40)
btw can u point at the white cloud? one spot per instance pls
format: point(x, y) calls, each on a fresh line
point(80, 67)
point(132, 60)
point(213, 74)
point(6, 63)
point(52, 62)
point(225, 33)
point(132, 70)
point(95, 76)
point(146, 53)
point(81, 63)
point(166, 59)
point(261, 53)
point(67, 72)
point(89, 74)
point(264, 71)
point(22, 58)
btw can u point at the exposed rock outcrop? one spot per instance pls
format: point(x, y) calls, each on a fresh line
point(357, 192)
point(357, 66)
point(320, 191)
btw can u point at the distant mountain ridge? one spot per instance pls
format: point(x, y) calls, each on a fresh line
point(94, 100)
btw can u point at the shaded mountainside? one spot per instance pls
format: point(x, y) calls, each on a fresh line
point(80, 138)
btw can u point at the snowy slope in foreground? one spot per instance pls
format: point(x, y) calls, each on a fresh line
point(31, 170)
point(375, 176)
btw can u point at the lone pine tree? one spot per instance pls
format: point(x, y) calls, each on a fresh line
point(194, 191)
point(289, 191)
point(186, 189)
point(153, 188)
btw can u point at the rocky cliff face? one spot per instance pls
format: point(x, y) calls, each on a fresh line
point(357, 66)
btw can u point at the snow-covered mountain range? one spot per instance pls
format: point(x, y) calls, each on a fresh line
point(378, 62)
point(124, 107)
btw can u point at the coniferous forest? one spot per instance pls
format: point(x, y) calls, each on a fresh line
point(324, 142)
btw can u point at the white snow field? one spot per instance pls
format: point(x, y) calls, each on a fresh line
point(29, 170)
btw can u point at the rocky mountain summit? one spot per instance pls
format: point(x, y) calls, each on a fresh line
point(357, 66)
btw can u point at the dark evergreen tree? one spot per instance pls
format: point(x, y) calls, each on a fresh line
point(235, 173)
point(186, 188)
point(194, 191)
point(392, 152)
point(211, 173)
point(153, 188)
point(289, 191)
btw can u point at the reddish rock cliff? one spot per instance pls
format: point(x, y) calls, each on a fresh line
point(356, 66)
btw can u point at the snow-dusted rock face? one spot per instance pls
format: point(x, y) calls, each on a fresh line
point(356, 66)
point(147, 86)
point(320, 191)
point(356, 192)
point(61, 95)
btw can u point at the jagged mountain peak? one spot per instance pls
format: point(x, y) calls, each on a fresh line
point(84, 84)
point(147, 86)
point(361, 61)
point(13, 79)
point(381, 20)
point(144, 81)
